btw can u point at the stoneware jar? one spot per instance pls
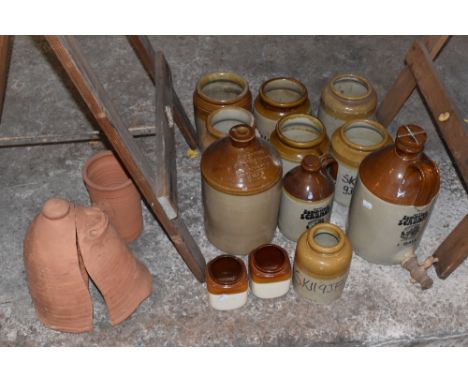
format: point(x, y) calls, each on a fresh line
point(278, 97)
point(346, 97)
point(306, 196)
point(270, 271)
point(298, 135)
point(394, 195)
point(241, 189)
point(350, 144)
point(215, 91)
point(220, 121)
point(113, 191)
point(226, 282)
point(321, 264)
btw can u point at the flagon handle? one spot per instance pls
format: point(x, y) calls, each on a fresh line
point(430, 181)
point(330, 165)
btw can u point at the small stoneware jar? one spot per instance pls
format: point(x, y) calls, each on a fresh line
point(298, 135)
point(346, 97)
point(113, 191)
point(220, 121)
point(321, 265)
point(394, 195)
point(215, 91)
point(350, 144)
point(226, 282)
point(270, 271)
point(306, 197)
point(241, 189)
point(278, 97)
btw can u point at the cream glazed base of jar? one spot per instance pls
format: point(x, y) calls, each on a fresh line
point(345, 182)
point(297, 215)
point(318, 291)
point(265, 126)
point(227, 301)
point(237, 224)
point(270, 290)
point(383, 232)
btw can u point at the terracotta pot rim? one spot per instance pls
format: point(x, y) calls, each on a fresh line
point(226, 76)
point(94, 159)
point(315, 123)
point(331, 229)
point(219, 134)
point(362, 122)
point(353, 77)
point(303, 97)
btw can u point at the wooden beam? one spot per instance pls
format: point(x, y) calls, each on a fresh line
point(68, 52)
point(453, 251)
point(145, 52)
point(451, 127)
point(405, 84)
point(5, 42)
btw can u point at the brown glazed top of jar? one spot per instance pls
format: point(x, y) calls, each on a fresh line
point(269, 263)
point(402, 173)
point(310, 181)
point(241, 163)
point(226, 274)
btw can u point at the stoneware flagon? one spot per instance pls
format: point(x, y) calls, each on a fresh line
point(57, 279)
point(270, 271)
point(321, 264)
point(298, 135)
point(395, 192)
point(226, 282)
point(306, 196)
point(113, 191)
point(121, 278)
point(241, 189)
point(278, 97)
point(346, 97)
point(350, 144)
point(220, 121)
point(214, 91)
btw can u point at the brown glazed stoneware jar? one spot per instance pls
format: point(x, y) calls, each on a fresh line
point(350, 144)
point(394, 195)
point(241, 189)
point(278, 97)
point(270, 271)
point(57, 279)
point(321, 265)
point(121, 278)
point(220, 121)
point(298, 135)
point(113, 191)
point(346, 97)
point(215, 91)
point(306, 196)
point(226, 282)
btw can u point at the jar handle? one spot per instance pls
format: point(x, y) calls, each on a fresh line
point(330, 165)
point(430, 181)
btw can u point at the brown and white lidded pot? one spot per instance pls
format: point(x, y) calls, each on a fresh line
point(350, 144)
point(298, 135)
point(306, 196)
point(321, 264)
point(270, 271)
point(346, 97)
point(395, 192)
point(278, 97)
point(241, 190)
point(226, 282)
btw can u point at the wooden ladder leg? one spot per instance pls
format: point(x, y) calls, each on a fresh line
point(5, 42)
point(68, 52)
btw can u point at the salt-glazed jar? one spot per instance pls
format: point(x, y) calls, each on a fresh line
point(306, 196)
point(298, 135)
point(394, 195)
point(215, 91)
point(321, 265)
point(241, 190)
point(350, 144)
point(226, 282)
point(270, 271)
point(220, 121)
point(346, 97)
point(278, 97)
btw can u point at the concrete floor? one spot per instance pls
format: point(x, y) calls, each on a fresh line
point(379, 305)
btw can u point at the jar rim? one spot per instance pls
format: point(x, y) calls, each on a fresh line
point(365, 123)
point(314, 122)
point(210, 122)
point(331, 229)
point(222, 76)
point(268, 100)
point(351, 77)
